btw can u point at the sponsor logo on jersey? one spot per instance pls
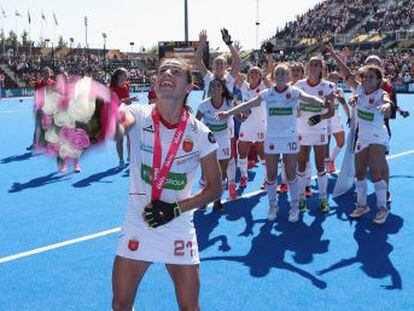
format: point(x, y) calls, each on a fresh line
point(367, 116)
point(188, 145)
point(217, 127)
point(275, 111)
point(175, 181)
point(146, 148)
point(310, 108)
point(149, 128)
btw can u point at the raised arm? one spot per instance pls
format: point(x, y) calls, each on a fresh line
point(239, 108)
point(125, 121)
point(234, 50)
point(348, 77)
point(200, 51)
point(310, 99)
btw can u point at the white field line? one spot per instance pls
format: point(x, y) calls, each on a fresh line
point(117, 229)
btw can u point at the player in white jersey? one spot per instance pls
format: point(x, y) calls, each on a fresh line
point(167, 146)
point(252, 130)
point(313, 130)
point(281, 135)
point(219, 67)
point(220, 100)
point(373, 104)
point(335, 126)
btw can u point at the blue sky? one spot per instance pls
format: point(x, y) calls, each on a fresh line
point(145, 22)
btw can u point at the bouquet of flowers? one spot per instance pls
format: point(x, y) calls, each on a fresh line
point(75, 114)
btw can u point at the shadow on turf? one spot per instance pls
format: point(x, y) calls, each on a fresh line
point(267, 249)
point(38, 182)
point(88, 181)
point(373, 254)
point(20, 157)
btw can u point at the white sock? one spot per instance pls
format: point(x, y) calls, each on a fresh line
point(231, 171)
point(327, 161)
point(294, 193)
point(271, 189)
point(361, 190)
point(283, 171)
point(381, 193)
point(308, 175)
point(335, 153)
point(322, 184)
point(301, 184)
point(243, 167)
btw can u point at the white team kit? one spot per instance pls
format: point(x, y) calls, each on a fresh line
point(254, 127)
point(335, 123)
point(281, 131)
point(174, 242)
point(371, 127)
point(229, 81)
point(317, 134)
point(220, 128)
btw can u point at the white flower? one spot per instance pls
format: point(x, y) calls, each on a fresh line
point(52, 136)
point(62, 118)
point(82, 107)
point(50, 106)
point(67, 151)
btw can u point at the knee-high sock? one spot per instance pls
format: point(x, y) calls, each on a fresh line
point(243, 167)
point(335, 153)
point(283, 172)
point(361, 188)
point(271, 189)
point(294, 193)
point(327, 161)
point(308, 174)
point(322, 184)
point(301, 185)
point(381, 193)
point(231, 171)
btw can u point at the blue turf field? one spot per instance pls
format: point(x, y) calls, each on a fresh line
point(319, 263)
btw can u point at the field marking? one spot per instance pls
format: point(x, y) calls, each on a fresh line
point(117, 229)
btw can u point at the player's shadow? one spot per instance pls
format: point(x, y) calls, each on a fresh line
point(268, 251)
point(95, 178)
point(38, 182)
point(401, 176)
point(373, 252)
point(20, 157)
point(205, 224)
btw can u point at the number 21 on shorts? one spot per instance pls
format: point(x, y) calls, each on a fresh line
point(181, 248)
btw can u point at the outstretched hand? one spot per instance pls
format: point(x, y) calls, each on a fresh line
point(226, 36)
point(221, 115)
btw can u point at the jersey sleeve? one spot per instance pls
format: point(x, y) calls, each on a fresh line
point(207, 141)
point(265, 94)
point(296, 92)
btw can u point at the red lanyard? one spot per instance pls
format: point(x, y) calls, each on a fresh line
point(160, 174)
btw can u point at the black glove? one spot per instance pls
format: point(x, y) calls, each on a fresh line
point(161, 213)
point(314, 120)
point(348, 122)
point(226, 37)
point(268, 47)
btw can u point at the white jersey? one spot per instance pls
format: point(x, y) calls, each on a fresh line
point(257, 118)
point(320, 90)
point(370, 120)
point(228, 80)
point(340, 92)
point(281, 109)
point(197, 143)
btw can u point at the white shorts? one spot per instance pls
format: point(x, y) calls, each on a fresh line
point(373, 138)
point(313, 139)
point(173, 243)
point(281, 145)
point(224, 149)
point(335, 125)
point(252, 134)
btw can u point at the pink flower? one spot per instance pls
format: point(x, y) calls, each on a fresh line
point(77, 138)
point(46, 121)
point(52, 148)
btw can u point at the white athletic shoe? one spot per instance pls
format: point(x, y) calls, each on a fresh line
point(272, 213)
point(294, 214)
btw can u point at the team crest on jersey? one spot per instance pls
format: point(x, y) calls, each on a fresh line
point(271, 146)
point(320, 93)
point(133, 245)
point(288, 96)
point(188, 145)
point(371, 100)
point(300, 137)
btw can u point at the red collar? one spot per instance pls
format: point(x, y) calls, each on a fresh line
point(167, 124)
point(307, 81)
